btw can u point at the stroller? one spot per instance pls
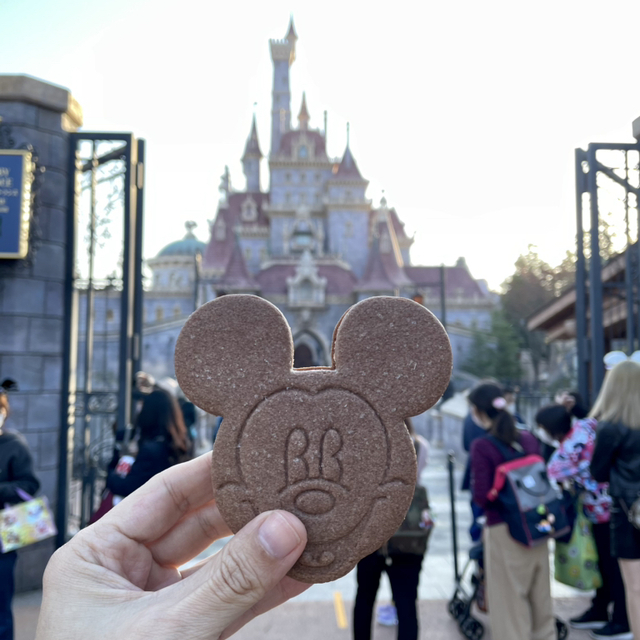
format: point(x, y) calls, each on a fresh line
point(469, 583)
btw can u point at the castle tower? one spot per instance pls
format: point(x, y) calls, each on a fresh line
point(283, 53)
point(251, 159)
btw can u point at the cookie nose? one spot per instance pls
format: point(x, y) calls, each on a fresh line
point(315, 502)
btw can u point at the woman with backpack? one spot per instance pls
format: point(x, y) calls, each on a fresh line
point(570, 462)
point(518, 577)
point(163, 442)
point(402, 560)
point(616, 460)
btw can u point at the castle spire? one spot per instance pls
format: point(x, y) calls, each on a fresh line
point(291, 36)
point(251, 159)
point(252, 148)
point(303, 116)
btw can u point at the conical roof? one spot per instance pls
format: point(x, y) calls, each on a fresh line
point(236, 276)
point(291, 32)
point(252, 148)
point(303, 116)
point(348, 168)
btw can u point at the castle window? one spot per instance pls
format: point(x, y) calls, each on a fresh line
point(302, 198)
point(287, 177)
point(303, 177)
point(303, 152)
point(159, 314)
point(176, 311)
point(317, 198)
point(249, 210)
point(247, 253)
point(348, 196)
point(287, 198)
point(318, 177)
point(110, 315)
point(263, 254)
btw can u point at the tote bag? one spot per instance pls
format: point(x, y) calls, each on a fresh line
point(576, 561)
point(25, 523)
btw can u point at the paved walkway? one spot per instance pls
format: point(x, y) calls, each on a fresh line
point(318, 621)
point(313, 613)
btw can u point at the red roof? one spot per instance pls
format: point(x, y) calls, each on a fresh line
point(348, 169)
point(286, 142)
point(383, 271)
point(236, 275)
point(457, 280)
point(273, 280)
point(218, 252)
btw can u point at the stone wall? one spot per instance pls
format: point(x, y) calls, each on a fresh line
point(32, 290)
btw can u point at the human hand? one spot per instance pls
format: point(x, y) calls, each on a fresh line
point(119, 578)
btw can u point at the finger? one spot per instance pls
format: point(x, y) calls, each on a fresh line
point(190, 536)
point(248, 567)
point(286, 589)
point(151, 511)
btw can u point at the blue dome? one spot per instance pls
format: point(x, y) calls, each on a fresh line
point(188, 246)
point(184, 247)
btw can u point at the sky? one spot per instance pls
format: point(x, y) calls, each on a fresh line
point(465, 113)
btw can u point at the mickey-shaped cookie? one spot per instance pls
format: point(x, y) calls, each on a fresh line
point(328, 444)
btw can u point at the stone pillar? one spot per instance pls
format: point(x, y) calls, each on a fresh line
point(32, 289)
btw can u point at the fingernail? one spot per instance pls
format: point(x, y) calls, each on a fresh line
point(277, 536)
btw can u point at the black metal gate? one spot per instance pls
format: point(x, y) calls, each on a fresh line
point(103, 312)
point(607, 277)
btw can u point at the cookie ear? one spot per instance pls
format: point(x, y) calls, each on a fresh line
point(396, 351)
point(227, 347)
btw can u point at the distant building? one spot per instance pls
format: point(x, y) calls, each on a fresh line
point(313, 245)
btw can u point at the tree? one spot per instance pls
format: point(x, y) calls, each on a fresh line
point(495, 354)
point(531, 286)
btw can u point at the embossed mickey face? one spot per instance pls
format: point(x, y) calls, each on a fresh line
point(327, 444)
point(321, 450)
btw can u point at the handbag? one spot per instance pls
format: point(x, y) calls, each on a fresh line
point(414, 532)
point(632, 512)
point(109, 500)
point(25, 523)
point(576, 561)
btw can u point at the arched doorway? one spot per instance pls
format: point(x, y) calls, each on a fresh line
point(302, 357)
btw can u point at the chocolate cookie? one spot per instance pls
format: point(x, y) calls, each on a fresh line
point(328, 444)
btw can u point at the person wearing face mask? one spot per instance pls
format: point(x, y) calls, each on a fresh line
point(16, 472)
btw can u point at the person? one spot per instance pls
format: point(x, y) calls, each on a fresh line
point(570, 462)
point(403, 569)
point(163, 442)
point(518, 577)
point(616, 460)
point(119, 578)
point(16, 472)
point(471, 431)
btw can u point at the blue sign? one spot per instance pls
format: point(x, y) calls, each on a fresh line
point(16, 174)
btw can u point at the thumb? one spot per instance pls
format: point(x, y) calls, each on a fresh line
point(250, 565)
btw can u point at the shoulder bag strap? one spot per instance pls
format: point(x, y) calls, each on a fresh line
point(506, 451)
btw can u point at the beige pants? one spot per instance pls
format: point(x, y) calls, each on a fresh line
point(630, 570)
point(518, 588)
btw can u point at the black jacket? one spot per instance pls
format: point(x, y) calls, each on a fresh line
point(16, 469)
point(616, 459)
point(153, 457)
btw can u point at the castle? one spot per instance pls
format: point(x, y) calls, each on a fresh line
point(313, 244)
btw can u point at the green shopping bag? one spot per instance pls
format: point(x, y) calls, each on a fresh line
point(576, 561)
